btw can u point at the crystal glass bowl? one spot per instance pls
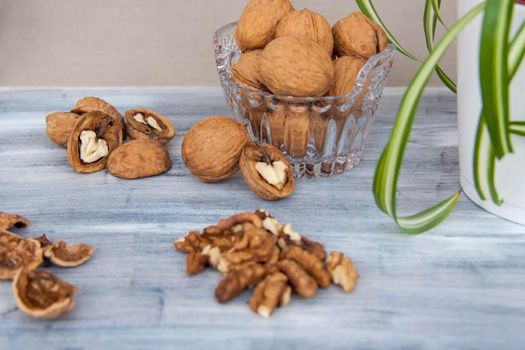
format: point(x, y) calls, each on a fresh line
point(321, 136)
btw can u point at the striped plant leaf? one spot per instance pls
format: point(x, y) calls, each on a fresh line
point(430, 18)
point(389, 166)
point(484, 159)
point(368, 9)
point(494, 75)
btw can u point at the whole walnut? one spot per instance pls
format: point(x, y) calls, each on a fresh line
point(346, 71)
point(296, 66)
point(212, 148)
point(256, 26)
point(358, 35)
point(246, 70)
point(308, 24)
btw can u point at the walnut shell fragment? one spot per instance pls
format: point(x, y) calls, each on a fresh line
point(59, 126)
point(40, 294)
point(68, 255)
point(138, 159)
point(343, 271)
point(309, 24)
point(346, 69)
point(212, 148)
point(94, 137)
point(256, 26)
point(96, 104)
point(246, 71)
point(8, 221)
point(296, 66)
point(17, 253)
point(358, 35)
point(269, 181)
point(143, 123)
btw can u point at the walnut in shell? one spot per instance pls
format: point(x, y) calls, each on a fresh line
point(8, 221)
point(212, 148)
point(16, 253)
point(42, 295)
point(92, 104)
point(59, 126)
point(246, 70)
point(256, 26)
point(358, 35)
point(68, 255)
point(296, 66)
point(271, 181)
point(309, 24)
point(143, 123)
point(346, 69)
point(139, 158)
point(94, 137)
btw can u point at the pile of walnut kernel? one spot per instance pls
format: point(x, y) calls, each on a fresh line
point(255, 250)
point(38, 292)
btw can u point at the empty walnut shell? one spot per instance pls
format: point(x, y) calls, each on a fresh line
point(246, 70)
point(212, 147)
point(296, 66)
point(309, 24)
point(346, 71)
point(16, 253)
point(139, 158)
point(358, 35)
point(42, 295)
point(106, 129)
point(59, 126)
point(250, 157)
point(256, 26)
point(92, 104)
point(68, 255)
point(8, 221)
point(143, 123)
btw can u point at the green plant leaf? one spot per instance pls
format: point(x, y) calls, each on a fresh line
point(517, 128)
point(389, 166)
point(368, 9)
point(494, 73)
point(484, 160)
point(436, 5)
point(430, 17)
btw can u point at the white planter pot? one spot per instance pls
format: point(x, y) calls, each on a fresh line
point(510, 172)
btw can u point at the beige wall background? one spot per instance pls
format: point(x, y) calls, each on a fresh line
point(154, 42)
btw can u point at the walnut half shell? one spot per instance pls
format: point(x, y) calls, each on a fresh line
point(269, 181)
point(92, 140)
point(95, 104)
point(16, 253)
point(68, 255)
point(142, 123)
point(40, 294)
point(8, 221)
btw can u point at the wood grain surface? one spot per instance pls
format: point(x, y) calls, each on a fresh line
point(460, 286)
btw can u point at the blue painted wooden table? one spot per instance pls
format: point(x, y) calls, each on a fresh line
point(461, 285)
